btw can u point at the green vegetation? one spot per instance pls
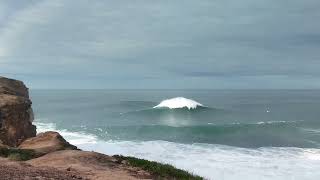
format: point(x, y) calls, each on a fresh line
point(17, 154)
point(161, 171)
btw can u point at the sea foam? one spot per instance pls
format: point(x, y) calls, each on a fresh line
point(75, 138)
point(211, 161)
point(178, 102)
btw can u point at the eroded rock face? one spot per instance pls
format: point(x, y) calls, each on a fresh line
point(16, 114)
point(47, 142)
point(13, 87)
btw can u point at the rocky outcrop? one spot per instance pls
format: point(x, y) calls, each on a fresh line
point(16, 114)
point(47, 142)
point(13, 87)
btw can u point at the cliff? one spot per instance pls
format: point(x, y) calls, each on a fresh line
point(16, 114)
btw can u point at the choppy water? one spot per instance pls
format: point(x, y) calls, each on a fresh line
point(219, 134)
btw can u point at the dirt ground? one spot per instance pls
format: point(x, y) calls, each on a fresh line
point(70, 164)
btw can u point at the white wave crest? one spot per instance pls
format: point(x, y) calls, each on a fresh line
point(179, 102)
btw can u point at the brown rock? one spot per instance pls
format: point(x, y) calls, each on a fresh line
point(13, 87)
point(16, 114)
point(47, 142)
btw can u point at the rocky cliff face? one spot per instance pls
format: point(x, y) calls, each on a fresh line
point(16, 114)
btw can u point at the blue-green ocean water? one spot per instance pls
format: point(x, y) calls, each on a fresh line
point(237, 134)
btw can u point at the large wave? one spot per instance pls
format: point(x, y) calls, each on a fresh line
point(179, 102)
point(173, 112)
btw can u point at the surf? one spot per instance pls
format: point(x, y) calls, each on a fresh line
point(208, 160)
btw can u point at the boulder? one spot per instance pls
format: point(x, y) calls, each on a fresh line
point(16, 114)
point(47, 142)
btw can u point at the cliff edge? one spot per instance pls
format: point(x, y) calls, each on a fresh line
point(16, 114)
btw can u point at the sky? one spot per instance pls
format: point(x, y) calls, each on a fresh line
point(163, 44)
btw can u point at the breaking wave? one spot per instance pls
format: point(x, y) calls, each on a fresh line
point(178, 103)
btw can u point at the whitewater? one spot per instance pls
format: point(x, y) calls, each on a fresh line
point(243, 141)
point(208, 160)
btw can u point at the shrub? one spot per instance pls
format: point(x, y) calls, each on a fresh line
point(157, 169)
point(17, 154)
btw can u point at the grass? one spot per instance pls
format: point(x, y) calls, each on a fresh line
point(17, 154)
point(161, 171)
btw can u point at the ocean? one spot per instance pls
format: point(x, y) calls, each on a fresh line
point(217, 134)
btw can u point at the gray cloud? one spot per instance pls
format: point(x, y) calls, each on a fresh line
point(161, 44)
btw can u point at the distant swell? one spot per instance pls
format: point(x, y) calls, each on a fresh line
point(179, 102)
point(242, 135)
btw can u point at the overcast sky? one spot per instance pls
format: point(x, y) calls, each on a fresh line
point(161, 43)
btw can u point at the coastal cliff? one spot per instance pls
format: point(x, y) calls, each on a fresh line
point(16, 114)
point(25, 155)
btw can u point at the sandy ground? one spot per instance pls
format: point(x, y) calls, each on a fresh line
point(21, 171)
point(70, 164)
